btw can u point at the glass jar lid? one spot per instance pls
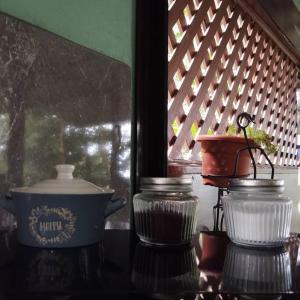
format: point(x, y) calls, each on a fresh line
point(167, 184)
point(256, 185)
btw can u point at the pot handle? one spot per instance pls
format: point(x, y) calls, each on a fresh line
point(7, 203)
point(114, 205)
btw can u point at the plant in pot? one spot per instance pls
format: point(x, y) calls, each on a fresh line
point(219, 154)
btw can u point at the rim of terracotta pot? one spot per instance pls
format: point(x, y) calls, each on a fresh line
point(227, 138)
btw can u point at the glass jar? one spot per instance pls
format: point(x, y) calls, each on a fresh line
point(165, 211)
point(257, 213)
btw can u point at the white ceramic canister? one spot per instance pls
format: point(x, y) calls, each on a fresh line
point(257, 213)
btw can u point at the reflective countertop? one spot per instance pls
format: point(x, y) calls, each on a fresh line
point(123, 268)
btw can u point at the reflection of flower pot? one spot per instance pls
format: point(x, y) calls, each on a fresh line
point(213, 251)
point(160, 271)
point(256, 271)
point(175, 170)
point(218, 158)
point(57, 270)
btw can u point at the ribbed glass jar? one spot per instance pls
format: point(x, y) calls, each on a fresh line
point(257, 213)
point(165, 212)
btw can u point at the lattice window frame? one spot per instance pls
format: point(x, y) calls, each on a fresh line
point(222, 62)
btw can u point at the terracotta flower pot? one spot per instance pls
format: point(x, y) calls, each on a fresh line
point(218, 158)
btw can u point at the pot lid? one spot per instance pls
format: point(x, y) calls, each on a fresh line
point(167, 184)
point(65, 183)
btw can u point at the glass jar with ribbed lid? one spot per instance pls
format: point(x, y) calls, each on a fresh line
point(165, 211)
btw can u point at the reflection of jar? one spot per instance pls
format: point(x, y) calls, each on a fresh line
point(165, 270)
point(257, 270)
point(165, 212)
point(256, 212)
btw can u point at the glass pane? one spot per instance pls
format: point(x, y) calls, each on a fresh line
point(62, 103)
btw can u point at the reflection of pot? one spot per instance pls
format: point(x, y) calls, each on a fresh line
point(213, 250)
point(256, 271)
point(7, 257)
point(57, 270)
point(62, 212)
point(7, 247)
point(160, 271)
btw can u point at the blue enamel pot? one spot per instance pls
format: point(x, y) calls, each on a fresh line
point(62, 212)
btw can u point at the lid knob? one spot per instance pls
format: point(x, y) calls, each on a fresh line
point(65, 171)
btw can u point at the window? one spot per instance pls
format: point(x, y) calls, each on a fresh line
point(222, 62)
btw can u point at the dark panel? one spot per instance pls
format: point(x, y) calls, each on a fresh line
point(151, 86)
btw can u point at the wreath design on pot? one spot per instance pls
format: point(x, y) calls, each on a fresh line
point(52, 225)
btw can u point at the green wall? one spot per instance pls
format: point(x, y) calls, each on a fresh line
point(103, 25)
point(297, 3)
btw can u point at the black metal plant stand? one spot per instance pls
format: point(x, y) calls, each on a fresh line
point(218, 210)
point(243, 121)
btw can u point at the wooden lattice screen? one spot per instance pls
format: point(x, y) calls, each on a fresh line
point(222, 62)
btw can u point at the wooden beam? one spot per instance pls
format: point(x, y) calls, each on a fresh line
point(259, 15)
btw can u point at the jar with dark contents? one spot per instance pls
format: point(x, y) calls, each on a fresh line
point(165, 211)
